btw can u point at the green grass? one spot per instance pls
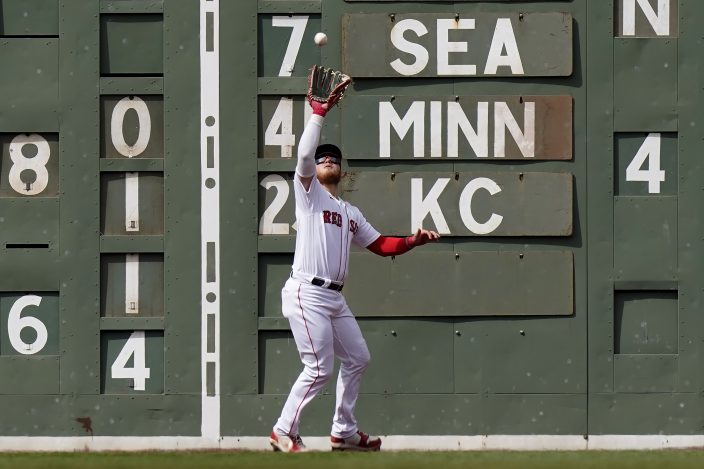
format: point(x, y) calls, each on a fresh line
point(386, 460)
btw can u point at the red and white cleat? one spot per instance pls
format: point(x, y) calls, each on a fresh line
point(287, 443)
point(360, 441)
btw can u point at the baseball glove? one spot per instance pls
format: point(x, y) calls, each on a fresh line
point(326, 85)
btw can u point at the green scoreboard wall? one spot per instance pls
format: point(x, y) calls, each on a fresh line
point(147, 214)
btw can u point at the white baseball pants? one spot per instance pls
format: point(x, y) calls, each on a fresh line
point(323, 327)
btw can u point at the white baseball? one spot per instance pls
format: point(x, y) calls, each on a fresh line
point(321, 39)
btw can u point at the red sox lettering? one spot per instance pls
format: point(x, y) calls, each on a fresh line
point(335, 218)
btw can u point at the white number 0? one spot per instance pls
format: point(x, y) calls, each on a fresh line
point(15, 324)
point(21, 163)
point(118, 119)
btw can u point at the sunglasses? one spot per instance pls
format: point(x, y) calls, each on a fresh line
point(321, 159)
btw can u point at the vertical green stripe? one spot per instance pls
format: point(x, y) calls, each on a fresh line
point(79, 196)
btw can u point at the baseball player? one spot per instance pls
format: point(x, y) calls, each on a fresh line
point(322, 324)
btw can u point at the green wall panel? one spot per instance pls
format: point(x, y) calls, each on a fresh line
point(513, 355)
point(29, 375)
point(475, 283)
point(645, 373)
point(646, 322)
point(579, 311)
point(645, 84)
point(645, 414)
point(29, 18)
point(131, 44)
point(645, 238)
point(29, 91)
point(36, 218)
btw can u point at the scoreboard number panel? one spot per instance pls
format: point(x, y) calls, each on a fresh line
point(132, 203)
point(132, 362)
point(132, 285)
point(646, 163)
point(132, 126)
point(29, 323)
point(456, 204)
point(281, 123)
point(286, 47)
point(30, 165)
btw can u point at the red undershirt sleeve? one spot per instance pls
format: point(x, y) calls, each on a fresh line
point(389, 246)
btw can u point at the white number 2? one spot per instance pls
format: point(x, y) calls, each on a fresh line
point(21, 163)
point(266, 224)
point(15, 324)
point(650, 150)
point(135, 345)
point(298, 23)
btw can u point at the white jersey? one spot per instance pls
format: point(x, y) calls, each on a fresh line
point(326, 228)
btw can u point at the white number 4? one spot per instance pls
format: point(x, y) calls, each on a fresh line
point(650, 150)
point(138, 372)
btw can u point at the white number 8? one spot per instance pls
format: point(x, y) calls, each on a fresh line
point(15, 324)
point(22, 163)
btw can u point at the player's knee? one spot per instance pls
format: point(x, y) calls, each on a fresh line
point(320, 372)
point(361, 361)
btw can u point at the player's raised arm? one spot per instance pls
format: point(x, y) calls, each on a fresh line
point(325, 89)
point(391, 246)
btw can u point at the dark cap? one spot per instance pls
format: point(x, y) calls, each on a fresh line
point(328, 149)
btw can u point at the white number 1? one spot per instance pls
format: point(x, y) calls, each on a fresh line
point(298, 23)
point(650, 150)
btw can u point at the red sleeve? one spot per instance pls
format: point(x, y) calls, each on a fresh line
point(388, 246)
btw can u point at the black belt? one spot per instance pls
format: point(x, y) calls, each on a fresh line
point(319, 282)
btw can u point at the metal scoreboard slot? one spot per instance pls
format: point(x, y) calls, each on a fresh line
point(29, 165)
point(132, 203)
point(132, 362)
point(132, 126)
point(132, 285)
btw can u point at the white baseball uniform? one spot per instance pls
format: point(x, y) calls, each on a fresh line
point(322, 324)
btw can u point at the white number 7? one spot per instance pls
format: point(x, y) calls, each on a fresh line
point(650, 150)
point(298, 23)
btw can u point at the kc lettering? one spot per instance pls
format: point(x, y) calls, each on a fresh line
point(422, 206)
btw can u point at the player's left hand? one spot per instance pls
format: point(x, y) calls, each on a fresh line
point(422, 237)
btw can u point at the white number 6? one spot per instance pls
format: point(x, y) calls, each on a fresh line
point(15, 324)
